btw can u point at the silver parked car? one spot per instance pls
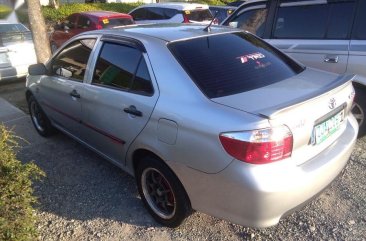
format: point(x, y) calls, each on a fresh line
point(16, 50)
point(323, 34)
point(216, 121)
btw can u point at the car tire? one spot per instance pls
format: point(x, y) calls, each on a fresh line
point(161, 192)
point(39, 119)
point(53, 48)
point(359, 110)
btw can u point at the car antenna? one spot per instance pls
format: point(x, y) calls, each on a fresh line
point(208, 27)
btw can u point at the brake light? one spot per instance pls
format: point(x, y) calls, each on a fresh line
point(259, 146)
point(185, 19)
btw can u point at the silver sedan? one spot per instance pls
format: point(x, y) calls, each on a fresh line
point(208, 119)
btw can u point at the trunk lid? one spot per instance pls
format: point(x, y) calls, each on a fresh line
point(307, 103)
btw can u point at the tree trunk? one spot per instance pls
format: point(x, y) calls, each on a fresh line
point(54, 4)
point(38, 28)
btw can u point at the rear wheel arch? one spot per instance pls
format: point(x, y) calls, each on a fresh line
point(160, 189)
point(140, 154)
point(359, 107)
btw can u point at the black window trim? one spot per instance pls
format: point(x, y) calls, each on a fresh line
point(122, 42)
point(131, 42)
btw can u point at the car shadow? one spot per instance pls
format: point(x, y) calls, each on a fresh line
point(80, 185)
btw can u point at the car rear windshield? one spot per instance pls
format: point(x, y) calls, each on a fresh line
point(231, 63)
point(198, 15)
point(12, 33)
point(114, 22)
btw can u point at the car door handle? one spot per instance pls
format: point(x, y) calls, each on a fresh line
point(331, 59)
point(133, 111)
point(75, 94)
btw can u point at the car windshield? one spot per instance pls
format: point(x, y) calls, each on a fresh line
point(10, 33)
point(198, 15)
point(232, 63)
point(114, 22)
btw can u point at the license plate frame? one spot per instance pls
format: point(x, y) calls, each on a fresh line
point(326, 128)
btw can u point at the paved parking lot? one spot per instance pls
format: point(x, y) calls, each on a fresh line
point(84, 197)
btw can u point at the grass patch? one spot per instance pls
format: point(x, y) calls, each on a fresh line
point(17, 219)
point(4, 11)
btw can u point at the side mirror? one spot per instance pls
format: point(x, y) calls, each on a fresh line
point(37, 69)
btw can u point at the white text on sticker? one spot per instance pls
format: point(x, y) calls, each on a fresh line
point(254, 56)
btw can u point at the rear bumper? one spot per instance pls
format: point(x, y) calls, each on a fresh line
point(259, 195)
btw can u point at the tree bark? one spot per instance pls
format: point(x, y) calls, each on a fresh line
point(39, 32)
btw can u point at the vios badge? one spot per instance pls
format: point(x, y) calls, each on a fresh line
point(332, 103)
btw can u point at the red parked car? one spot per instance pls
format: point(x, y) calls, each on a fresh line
point(86, 21)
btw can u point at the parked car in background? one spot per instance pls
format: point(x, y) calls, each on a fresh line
point(230, 126)
point(221, 12)
point(16, 50)
point(328, 35)
point(86, 21)
point(172, 13)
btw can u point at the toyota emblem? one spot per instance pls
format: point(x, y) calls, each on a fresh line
point(332, 103)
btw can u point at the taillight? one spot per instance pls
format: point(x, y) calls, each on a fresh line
point(259, 146)
point(185, 19)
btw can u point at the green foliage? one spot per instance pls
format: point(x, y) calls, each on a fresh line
point(54, 15)
point(4, 11)
point(22, 15)
point(213, 2)
point(17, 220)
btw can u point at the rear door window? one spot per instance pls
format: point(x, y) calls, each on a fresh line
point(122, 67)
point(296, 20)
point(232, 63)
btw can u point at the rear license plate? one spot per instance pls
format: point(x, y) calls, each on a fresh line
point(328, 127)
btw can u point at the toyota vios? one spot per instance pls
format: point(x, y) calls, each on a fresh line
point(209, 119)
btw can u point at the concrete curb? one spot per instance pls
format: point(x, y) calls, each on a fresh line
point(9, 112)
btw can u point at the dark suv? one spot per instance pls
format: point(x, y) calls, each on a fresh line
point(328, 35)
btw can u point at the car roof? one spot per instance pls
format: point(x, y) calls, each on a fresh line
point(167, 32)
point(105, 14)
point(177, 5)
